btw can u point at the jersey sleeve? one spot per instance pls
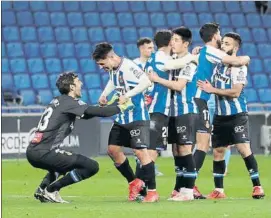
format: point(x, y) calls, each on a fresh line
point(239, 75)
point(188, 72)
point(76, 107)
point(160, 60)
point(214, 55)
point(132, 73)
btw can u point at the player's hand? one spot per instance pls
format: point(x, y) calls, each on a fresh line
point(102, 100)
point(205, 86)
point(196, 50)
point(153, 76)
point(245, 60)
point(123, 99)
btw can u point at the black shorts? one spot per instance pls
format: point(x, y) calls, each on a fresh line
point(159, 131)
point(56, 160)
point(230, 130)
point(203, 124)
point(182, 129)
point(133, 135)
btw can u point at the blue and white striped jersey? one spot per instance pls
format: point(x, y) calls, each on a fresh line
point(224, 78)
point(160, 94)
point(140, 63)
point(125, 78)
point(208, 58)
point(183, 101)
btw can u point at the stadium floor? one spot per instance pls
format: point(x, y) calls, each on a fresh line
point(104, 195)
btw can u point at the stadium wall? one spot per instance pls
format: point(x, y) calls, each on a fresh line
point(90, 137)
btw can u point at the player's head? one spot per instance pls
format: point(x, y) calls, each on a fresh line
point(231, 42)
point(162, 38)
point(210, 32)
point(68, 83)
point(104, 56)
point(145, 46)
point(181, 39)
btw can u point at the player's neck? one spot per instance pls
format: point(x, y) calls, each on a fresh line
point(213, 44)
point(166, 50)
point(72, 95)
point(118, 61)
point(143, 59)
point(182, 54)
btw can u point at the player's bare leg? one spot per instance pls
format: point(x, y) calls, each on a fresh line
point(219, 168)
point(252, 167)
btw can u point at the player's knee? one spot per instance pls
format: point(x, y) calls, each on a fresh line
point(244, 149)
point(219, 153)
point(92, 167)
point(112, 151)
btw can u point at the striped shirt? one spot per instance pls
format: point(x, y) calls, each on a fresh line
point(183, 101)
point(208, 59)
point(160, 94)
point(224, 78)
point(140, 63)
point(125, 78)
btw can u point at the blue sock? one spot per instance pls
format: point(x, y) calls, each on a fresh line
point(227, 157)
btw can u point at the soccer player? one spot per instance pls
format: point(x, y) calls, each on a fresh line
point(231, 123)
point(56, 123)
point(182, 129)
point(209, 57)
point(160, 96)
point(146, 48)
point(130, 129)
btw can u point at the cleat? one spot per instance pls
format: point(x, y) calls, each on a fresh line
point(51, 196)
point(258, 192)
point(128, 105)
point(216, 195)
point(183, 196)
point(135, 187)
point(152, 196)
point(59, 198)
point(197, 194)
point(39, 195)
point(173, 194)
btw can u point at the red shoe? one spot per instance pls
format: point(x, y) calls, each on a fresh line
point(174, 193)
point(216, 195)
point(152, 196)
point(197, 194)
point(134, 189)
point(258, 192)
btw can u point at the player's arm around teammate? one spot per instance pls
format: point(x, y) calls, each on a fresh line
point(231, 125)
point(185, 115)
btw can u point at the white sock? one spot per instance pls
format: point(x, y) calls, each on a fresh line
point(221, 190)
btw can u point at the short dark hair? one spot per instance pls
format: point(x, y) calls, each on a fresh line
point(208, 30)
point(64, 81)
point(234, 36)
point(183, 32)
point(162, 38)
point(101, 51)
point(142, 41)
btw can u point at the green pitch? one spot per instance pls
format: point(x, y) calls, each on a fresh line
point(105, 194)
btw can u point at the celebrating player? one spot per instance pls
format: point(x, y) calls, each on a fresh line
point(210, 55)
point(56, 123)
point(130, 129)
point(182, 129)
point(230, 125)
